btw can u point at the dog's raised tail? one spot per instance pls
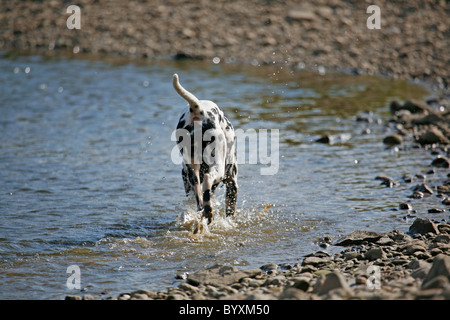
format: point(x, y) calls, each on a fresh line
point(189, 97)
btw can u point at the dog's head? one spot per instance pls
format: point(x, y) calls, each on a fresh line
point(197, 107)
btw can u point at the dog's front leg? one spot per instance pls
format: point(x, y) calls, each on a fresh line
point(207, 208)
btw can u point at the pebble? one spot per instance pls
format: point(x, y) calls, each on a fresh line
point(393, 139)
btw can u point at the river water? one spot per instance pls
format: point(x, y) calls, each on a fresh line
point(87, 176)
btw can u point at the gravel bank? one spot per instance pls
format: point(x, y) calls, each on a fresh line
point(413, 41)
point(386, 266)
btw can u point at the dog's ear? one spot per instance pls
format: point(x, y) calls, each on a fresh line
point(189, 97)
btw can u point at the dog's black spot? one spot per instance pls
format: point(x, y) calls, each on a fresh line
point(206, 196)
point(181, 124)
point(208, 124)
point(234, 170)
point(228, 123)
point(214, 110)
point(207, 209)
point(211, 116)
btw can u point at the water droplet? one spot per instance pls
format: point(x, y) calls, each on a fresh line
point(216, 60)
point(27, 70)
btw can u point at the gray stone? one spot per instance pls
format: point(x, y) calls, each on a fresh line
point(251, 273)
point(315, 261)
point(405, 206)
point(393, 139)
point(432, 136)
point(442, 238)
point(148, 293)
point(301, 283)
point(444, 228)
point(293, 294)
point(411, 248)
point(422, 226)
point(217, 275)
point(387, 181)
point(188, 287)
point(350, 255)
point(440, 267)
point(139, 296)
point(374, 254)
point(124, 296)
point(331, 281)
point(269, 267)
point(416, 264)
point(436, 282)
point(421, 272)
point(358, 237)
point(441, 162)
point(276, 281)
point(423, 188)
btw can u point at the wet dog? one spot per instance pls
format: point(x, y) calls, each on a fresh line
point(206, 141)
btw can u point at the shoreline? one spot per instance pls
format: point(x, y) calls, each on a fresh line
point(373, 266)
point(329, 35)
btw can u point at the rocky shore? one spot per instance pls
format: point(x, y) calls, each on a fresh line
point(387, 266)
point(413, 42)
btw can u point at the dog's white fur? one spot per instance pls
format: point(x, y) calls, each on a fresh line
point(224, 169)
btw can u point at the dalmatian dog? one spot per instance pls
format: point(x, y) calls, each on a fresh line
point(206, 140)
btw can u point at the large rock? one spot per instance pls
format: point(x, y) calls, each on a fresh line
point(423, 226)
point(439, 268)
point(220, 275)
point(358, 237)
